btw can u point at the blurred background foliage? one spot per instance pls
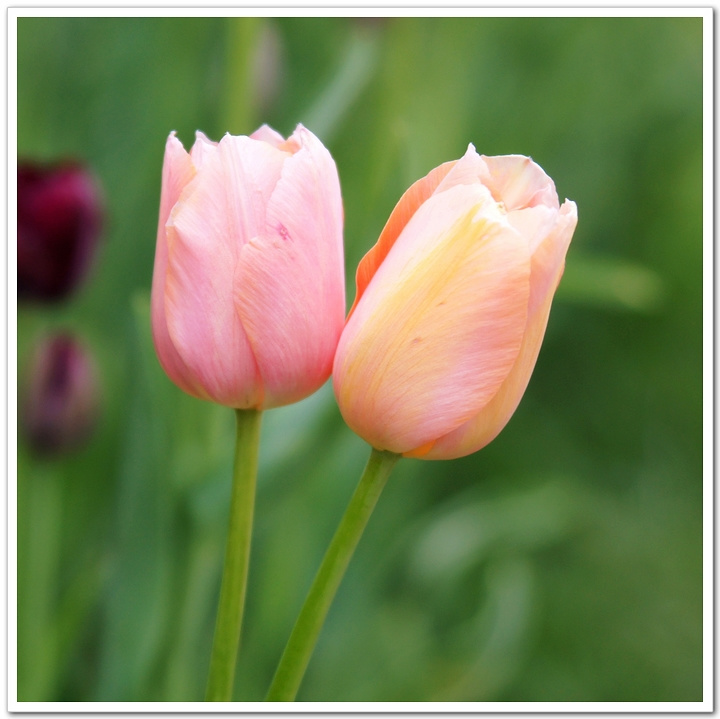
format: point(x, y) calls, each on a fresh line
point(561, 563)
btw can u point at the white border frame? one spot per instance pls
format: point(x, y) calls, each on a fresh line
point(322, 9)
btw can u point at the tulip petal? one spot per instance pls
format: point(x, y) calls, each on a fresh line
point(406, 207)
point(466, 171)
point(267, 134)
point(546, 269)
point(201, 148)
point(439, 327)
point(218, 214)
point(517, 182)
point(534, 223)
point(178, 171)
point(292, 274)
point(548, 260)
point(204, 325)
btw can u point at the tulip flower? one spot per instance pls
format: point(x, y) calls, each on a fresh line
point(450, 311)
point(248, 295)
point(60, 403)
point(59, 221)
point(451, 307)
point(248, 303)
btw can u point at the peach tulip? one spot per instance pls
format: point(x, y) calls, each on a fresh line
point(451, 307)
point(248, 295)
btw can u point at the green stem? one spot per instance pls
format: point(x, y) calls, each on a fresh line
point(237, 556)
point(307, 628)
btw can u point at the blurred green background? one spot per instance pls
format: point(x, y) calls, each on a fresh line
point(561, 563)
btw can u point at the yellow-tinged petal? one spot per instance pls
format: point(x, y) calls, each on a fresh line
point(548, 262)
point(399, 217)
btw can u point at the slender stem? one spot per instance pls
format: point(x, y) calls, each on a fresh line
point(237, 556)
point(307, 628)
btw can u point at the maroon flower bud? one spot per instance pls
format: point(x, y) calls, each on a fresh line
point(60, 403)
point(59, 220)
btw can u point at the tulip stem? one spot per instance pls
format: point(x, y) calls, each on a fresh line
point(237, 557)
point(309, 623)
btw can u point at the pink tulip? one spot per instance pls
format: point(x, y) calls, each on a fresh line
point(451, 307)
point(248, 296)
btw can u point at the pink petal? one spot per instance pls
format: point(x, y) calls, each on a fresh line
point(265, 133)
point(290, 284)
point(178, 171)
point(201, 148)
point(439, 326)
point(219, 213)
point(235, 186)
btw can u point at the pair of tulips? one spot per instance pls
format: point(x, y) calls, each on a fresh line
point(248, 296)
point(248, 310)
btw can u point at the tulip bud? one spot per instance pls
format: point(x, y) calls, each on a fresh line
point(248, 296)
point(60, 403)
point(451, 307)
point(59, 221)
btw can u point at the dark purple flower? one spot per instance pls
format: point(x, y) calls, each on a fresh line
point(59, 221)
point(60, 404)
